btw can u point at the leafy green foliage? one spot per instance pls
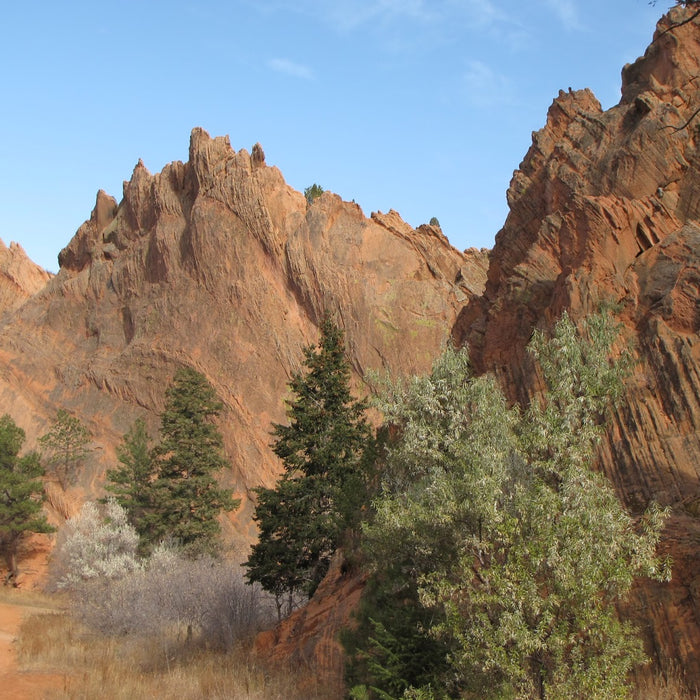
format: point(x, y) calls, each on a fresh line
point(21, 494)
point(435, 222)
point(313, 192)
point(132, 482)
point(326, 452)
point(183, 500)
point(65, 446)
point(517, 550)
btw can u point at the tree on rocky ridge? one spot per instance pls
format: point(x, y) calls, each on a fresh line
point(21, 494)
point(313, 192)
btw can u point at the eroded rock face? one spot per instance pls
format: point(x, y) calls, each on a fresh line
point(217, 263)
point(20, 278)
point(606, 207)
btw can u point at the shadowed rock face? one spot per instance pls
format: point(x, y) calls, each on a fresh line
point(606, 207)
point(218, 264)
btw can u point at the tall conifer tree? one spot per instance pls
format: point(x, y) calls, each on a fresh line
point(21, 494)
point(325, 451)
point(132, 482)
point(186, 499)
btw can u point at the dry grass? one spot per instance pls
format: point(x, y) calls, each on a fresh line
point(664, 686)
point(112, 668)
point(31, 599)
point(121, 668)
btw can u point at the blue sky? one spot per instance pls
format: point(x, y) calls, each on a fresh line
point(423, 106)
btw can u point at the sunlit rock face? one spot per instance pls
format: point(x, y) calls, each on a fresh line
point(218, 264)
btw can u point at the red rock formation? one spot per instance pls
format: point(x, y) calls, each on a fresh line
point(218, 264)
point(309, 637)
point(20, 278)
point(606, 207)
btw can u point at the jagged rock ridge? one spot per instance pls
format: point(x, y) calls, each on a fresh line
point(605, 208)
point(20, 278)
point(217, 263)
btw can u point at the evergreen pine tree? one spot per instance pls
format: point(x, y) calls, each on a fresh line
point(186, 499)
point(66, 445)
point(132, 482)
point(325, 451)
point(21, 494)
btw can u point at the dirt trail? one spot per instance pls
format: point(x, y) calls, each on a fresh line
point(14, 683)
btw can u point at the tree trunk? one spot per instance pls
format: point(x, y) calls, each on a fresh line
point(11, 562)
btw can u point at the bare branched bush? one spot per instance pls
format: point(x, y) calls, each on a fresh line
point(168, 595)
point(174, 596)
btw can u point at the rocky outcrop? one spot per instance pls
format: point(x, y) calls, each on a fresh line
point(217, 263)
point(20, 278)
point(605, 207)
point(308, 638)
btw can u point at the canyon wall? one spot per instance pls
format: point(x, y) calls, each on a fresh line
point(218, 264)
point(605, 208)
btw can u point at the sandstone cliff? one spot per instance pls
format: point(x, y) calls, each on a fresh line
point(20, 278)
point(217, 263)
point(606, 207)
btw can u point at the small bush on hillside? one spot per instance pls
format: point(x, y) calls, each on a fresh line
point(313, 192)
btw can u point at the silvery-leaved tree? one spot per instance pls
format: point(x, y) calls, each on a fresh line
point(498, 552)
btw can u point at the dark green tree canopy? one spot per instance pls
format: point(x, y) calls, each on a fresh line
point(326, 451)
point(182, 500)
point(313, 192)
point(21, 494)
point(131, 482)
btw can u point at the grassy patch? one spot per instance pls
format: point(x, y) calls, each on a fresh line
point(94, 665)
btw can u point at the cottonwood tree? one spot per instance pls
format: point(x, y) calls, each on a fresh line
point(66, 447)
point(21, 495)
point(326, 451)
point(506, 551)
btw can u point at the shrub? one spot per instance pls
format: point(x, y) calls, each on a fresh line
point(173, 596)
point(313, 192)
point(97, 544)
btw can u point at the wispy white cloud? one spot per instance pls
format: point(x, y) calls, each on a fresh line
point(566, 12)
point(347, 15)
point(485, 87)
point(296, 70)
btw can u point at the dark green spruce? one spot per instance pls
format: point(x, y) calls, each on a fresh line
point(21, 495)
point(326, 450)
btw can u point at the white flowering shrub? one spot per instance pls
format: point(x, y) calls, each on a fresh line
point(98, 544)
